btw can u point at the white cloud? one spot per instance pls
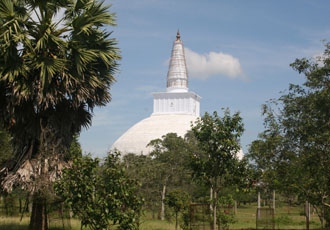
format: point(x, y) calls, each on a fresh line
point(211, 64)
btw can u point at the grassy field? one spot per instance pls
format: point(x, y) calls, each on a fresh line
point(15, 223)
point(285, 218)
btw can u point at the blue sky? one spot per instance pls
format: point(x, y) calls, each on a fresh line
point(245, 48)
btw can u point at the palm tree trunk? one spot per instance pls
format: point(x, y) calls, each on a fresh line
point(38, 219)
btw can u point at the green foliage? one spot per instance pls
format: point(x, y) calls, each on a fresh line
point(100, 194)
point(170, 157)
point(215, 162)
point(143, 169)
point(171, 152)
point(75, 149)
point(226, 215)
point(179, 201)
point(226, 219)
point(218, 142)
point(293, 153)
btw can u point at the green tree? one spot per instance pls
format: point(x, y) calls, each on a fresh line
point(306, 120)
point(303, 118)
point(170, 155)
point(54, 69)
point(270, 159)
point(226, 217)
point(216, 162)
point(178, 200)
point(143, 169)
point(100, 194)
point(75, 149)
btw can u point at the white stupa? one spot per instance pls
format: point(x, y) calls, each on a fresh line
point(173, 111)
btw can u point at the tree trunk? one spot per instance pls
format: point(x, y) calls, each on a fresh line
point(38, 219)
point(176, 220)
point(215, 197)
point(307, 212)
point(259, 206)
point(162, 211)
point(274, 200)
point(235, 207)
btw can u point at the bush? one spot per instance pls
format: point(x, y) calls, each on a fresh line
point(100, 194)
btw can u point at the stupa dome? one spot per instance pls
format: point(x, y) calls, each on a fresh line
point(136, 139)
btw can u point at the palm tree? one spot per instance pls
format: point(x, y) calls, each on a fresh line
point(57, 63)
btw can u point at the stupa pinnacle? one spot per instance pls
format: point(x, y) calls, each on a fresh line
point(177, 99)
point(177, 76)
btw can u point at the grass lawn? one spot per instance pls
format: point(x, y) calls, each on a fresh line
point(15, 223)
point(285, 218)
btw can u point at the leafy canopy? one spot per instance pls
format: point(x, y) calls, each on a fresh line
point(57, 63)
point(293, 152)
point(101, 194)
point(218, 141)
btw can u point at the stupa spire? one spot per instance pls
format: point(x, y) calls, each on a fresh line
point(177, 75)
point(178, 36)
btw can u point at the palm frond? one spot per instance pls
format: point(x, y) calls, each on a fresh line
point(6, 9)
point(91, 16)
point(82, 58)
